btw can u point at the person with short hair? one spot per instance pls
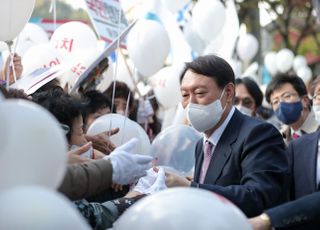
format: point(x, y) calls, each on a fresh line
point(289, 100)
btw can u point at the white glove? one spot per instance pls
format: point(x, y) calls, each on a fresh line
point(128, 167)
point(152, 182)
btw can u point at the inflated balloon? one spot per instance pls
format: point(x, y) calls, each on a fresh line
point(38, 208)
point(208, 17)
point(299, 62)
point(180, 142)
point(214, 46)
point(35, 150)
point(183, 208)
point(14, 14)
point(3, 46)
point(40, 56)
point(148, 46)
point(305, 74)
point(175, 5)
point(31, 35)
point(247, 47)
point(193, 39)
point(73, 36)
point(128, 130)
point(284, 60)
point(166, 86)
point(270, 63)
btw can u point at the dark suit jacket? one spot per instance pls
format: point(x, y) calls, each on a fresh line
point(302, 154)
point(303, 214)
point(249, 165)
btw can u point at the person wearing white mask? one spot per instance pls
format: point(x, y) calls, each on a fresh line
point(248, 96)
point(239, 157)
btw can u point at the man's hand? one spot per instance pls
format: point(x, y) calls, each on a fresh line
point(74, 156)
point(18, 68)
point(173, 180)
point(101, 141)
point(128, 167)
point(261, 222)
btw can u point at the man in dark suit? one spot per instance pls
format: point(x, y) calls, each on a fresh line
point(239, 157)
point(301, 214)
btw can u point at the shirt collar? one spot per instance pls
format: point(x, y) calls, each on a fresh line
point(310, 125)
point(215, 136)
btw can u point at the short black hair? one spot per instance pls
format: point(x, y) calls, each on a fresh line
point(252, 88)
point(279, 80)
point(211, 66)
point(64, 107)
point(95, 100)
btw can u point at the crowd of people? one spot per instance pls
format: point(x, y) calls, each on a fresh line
point(263, 159)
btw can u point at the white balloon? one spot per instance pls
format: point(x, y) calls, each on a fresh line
point(208, 18)
point(128, 130)
point(31, 35)
point(299, 62)
point(214, 46)
point(177, 154)
point(284, 60)
point(73, 36)
point(166, 86)
point(270, 63)
point(175, 5)
point(3, 46)
point(193, 39)
point(40, 56)
point(14, 14)
point(247, 47)
point(38, 208)
point(183, 208)
point(148, 46)
point(305, 74)
point(35, 150)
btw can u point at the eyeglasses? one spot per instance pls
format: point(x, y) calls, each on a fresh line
point(286, 97)
point(246, 102)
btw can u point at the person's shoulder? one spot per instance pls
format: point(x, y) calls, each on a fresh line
point(304, 139)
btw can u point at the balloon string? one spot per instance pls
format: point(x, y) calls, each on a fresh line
point(53, 8)
point(126, 116)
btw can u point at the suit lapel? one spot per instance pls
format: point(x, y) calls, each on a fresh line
point(223, 149)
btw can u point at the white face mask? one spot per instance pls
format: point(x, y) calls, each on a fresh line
point(316, 110)
point(244, 110)
point(87, 154)
point(204, 117)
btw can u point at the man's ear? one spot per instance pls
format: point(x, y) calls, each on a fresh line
point(230, 92)
point(305, 102)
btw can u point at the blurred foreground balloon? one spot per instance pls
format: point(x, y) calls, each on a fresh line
point(14, 15)
point(183, 208)
point(38, 208)
point(174, 148)
point(148, 46)
point(35, 150)
point(128, 130)
point(175, 5)
point(305, 74)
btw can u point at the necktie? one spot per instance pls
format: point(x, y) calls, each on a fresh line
point(295, 136)
point(206, 160)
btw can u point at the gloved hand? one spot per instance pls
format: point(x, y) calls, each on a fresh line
point(152, 182)
point(128, 167)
